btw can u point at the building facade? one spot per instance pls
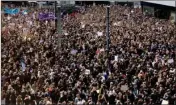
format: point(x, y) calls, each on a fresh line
point(160, 9)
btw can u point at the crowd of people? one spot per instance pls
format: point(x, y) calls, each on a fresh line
point(36, 71)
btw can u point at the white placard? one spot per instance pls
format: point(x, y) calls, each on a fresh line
point(66, 33)
point(46, 22)
point(115, 24)
point(100, 33)
point(87, 72)
point(82, 25)
point(101, 50)
point(124, 88)
point(165, 102)
point(8, 18)
point(116, 58)
point(25, 13)
point(170, 61)
point(74, 52)
point(98, 91)
point(172, 71)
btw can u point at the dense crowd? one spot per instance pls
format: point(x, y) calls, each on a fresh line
point(36, 71)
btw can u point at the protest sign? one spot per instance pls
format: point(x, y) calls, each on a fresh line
point(165, 102)
point(101, 50)
point(170, 61)
point(115, 24)
point(82, 25)
point(116, 58)
point(8, 17)
point(66, 33)
point(124, 88)
point(100, 33)
point(87, 72)
point(73, 52)
point(172, 70)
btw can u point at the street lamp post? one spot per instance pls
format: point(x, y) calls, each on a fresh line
point(55, 10)
point(58, 24)
point(107, 36)
point(175, 12)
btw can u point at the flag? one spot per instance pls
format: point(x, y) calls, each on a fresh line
point(6, 10)
point(15, 11)
point(47, 16)
point(11, 11)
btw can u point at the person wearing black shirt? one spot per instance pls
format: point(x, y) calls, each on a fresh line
point(62, 99)
point(12, 98)
point(111, 100)
point(7, 98)
point(154, 97)
point(94, 96)
point(131, 97)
